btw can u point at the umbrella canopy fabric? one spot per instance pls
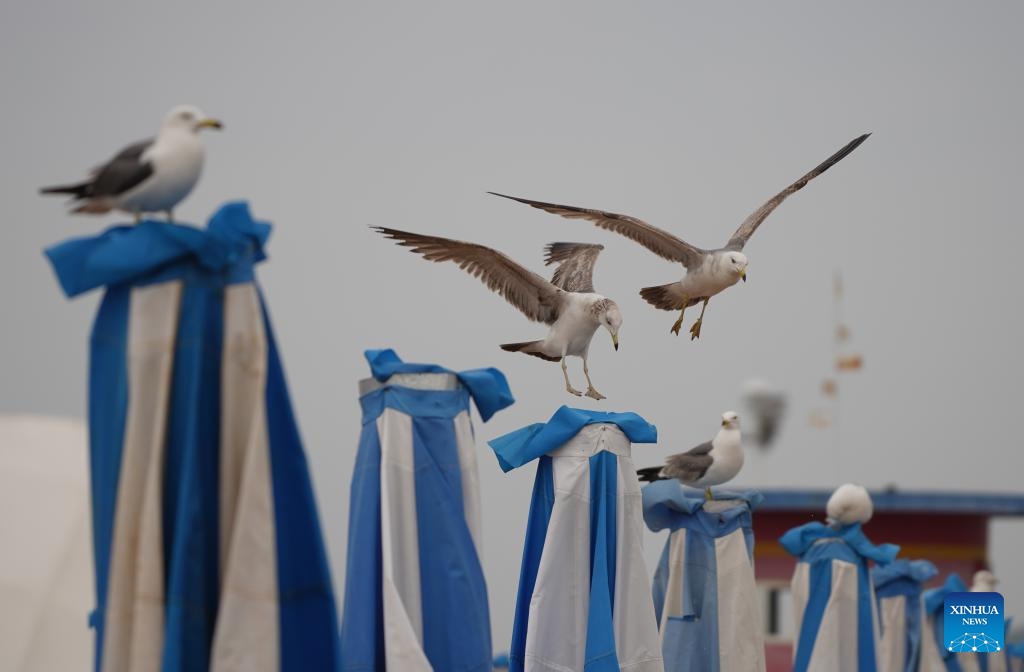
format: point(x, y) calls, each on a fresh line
point(46, 570)
point(936, 656)
point(207, 545)
point(898, 590)
point(584, 600)
point(415, 596)
point(833, 598)
point(705, 595)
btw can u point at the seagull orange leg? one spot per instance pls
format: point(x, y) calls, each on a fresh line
point(591, 392)
point(568, 386)
point(679, 323)
point(695, 329)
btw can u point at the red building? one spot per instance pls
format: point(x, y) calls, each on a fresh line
point(949, 529)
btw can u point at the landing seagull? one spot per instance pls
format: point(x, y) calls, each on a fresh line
point(149, 176)
point(568, 303)
point(708, 272)
point(713, 462)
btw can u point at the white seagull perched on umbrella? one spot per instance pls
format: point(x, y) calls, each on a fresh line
point(711, 463)
point(849, 504)
point(149, 176)
point(708, 272)
point(568, 304)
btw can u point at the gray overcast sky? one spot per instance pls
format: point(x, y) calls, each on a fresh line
point(341, 115)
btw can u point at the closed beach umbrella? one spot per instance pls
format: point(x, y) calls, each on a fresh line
point(705, 595)
point(898, 588)
point(415, 597)
point(584, 600)
point(46, 567)
point(833, 599)
point(207, 546)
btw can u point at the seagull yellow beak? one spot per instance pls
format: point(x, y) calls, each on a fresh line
point(615, 341)
point(724, 423)
point(743, 274)
point(210, 123)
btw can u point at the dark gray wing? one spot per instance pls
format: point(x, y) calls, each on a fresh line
point(575, 272)
point(534, 296)
point(662, 243)
point(689, 466)
point(123, 172)
point(750, 224)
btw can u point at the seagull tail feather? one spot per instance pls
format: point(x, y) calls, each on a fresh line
point(80, 190)
point(529, 348)
point(664, 297)
point(650, 474)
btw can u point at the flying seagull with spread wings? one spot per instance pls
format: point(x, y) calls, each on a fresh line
point(708, 272)
point(568, 304)
point(711, 463)
point(149, 176)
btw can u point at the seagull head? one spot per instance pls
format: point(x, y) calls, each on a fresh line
point(611, 319)
point(984, 582)
point(849, 504)
point(730, 420)
point(736, 263)
point(189, 118)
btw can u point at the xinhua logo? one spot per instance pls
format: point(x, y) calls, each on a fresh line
point(973, 622)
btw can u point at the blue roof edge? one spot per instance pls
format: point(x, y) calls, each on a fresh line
point(992, 504)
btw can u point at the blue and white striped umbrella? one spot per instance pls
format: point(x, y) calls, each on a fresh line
point(833, 599)
point(415, 597)
point(935, 654)
point(900, 606)
point(705, 595)
point(208, 551)
point(1015, 652)
point(584, 600)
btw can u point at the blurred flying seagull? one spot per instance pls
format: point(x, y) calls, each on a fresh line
point(149, 176)
point(568, 303)
point(711, 463)
point(708, 272)
point(767, 405)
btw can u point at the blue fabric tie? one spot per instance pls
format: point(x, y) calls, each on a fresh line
point(152, 251)
point(798, 540)
point(488, 387)
point(528, 443)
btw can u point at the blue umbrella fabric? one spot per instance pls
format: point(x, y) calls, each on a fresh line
point(208, 549)
point(836, 620)
point(936, 656)
point(898, 588)
point(415, 597)
point(584, 600)
point(705, 594)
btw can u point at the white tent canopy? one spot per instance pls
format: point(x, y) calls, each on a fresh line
point(46, 565)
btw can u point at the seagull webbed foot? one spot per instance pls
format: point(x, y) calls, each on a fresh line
point(677, 326)
point(572, 390)
point(695, 330)
point(594, 394)
point(707, 494)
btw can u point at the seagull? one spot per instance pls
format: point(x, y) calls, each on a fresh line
point(568, 304)
point(768, 406)
point(711, 463)
point(149, 176)
point(849, 504)
point(984, 582)
point(708, 272)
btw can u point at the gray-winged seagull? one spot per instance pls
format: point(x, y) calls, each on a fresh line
point(149, 176)
point(711, 463)
point(568, 303)
point(708, 272)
